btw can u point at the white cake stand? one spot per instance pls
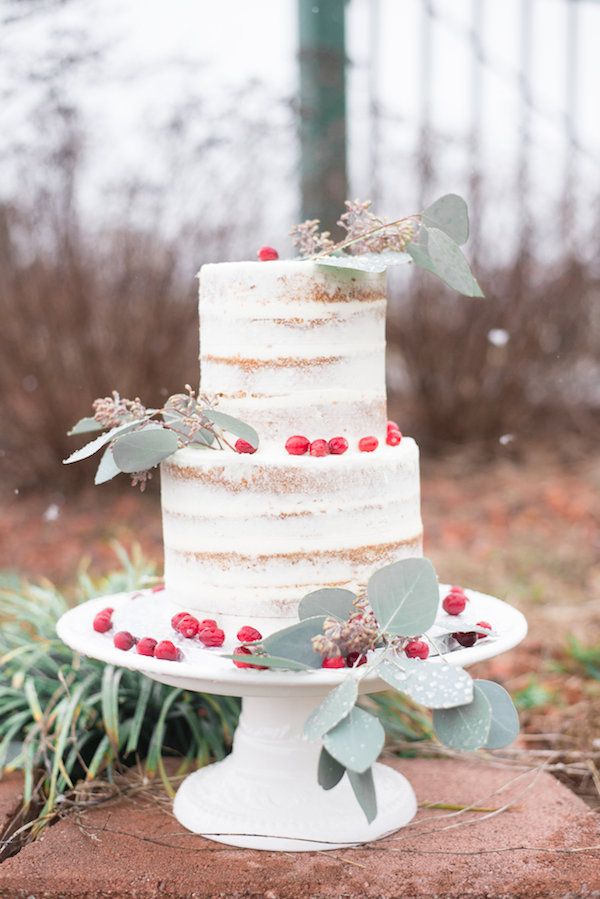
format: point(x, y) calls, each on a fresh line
point(265, 794)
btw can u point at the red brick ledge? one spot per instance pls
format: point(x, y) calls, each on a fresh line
point(140, 851)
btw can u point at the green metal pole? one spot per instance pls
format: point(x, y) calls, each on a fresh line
point(322, 59)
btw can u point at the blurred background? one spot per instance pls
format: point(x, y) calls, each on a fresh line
point(141, 140)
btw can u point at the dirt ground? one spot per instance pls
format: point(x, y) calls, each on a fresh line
point(526, 530)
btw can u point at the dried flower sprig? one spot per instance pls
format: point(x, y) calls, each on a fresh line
point(432, 238)
point(138, 438)
point(371, 234)
point(366, 233)
point(340, 638)
point(309, 241)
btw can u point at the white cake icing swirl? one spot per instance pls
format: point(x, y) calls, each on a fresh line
point(291, 350)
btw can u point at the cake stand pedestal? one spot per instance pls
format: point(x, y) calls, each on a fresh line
point(265, 794)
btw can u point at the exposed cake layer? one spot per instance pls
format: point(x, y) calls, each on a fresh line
point(253, 534)
point(294, 348)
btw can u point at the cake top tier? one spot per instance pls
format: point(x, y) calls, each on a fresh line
point(295, 348)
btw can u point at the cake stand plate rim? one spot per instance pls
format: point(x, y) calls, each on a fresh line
point(74, 629)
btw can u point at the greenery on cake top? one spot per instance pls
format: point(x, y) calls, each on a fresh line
point(136, 439)
point(431, 238)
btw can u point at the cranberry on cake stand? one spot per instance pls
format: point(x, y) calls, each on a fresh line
point(265, 794)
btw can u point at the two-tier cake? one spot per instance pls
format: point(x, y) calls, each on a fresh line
point(293, 349)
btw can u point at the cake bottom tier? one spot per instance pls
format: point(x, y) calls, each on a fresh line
point(251, 535)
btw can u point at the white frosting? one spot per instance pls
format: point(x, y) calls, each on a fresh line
point(257, 532)
point(291, 349)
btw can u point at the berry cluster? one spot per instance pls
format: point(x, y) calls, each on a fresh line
point(298, 445)
point(206, 631)
point(454, 604)
point(124, 640)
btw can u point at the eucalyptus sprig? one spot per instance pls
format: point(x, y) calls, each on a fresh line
point(403, 600)
point(431, 239)
point(136, 438)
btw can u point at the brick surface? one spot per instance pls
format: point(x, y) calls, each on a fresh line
point(138, 850)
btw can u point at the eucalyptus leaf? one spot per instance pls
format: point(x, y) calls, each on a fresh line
point(330, 772)
point(450, 264)
point(450, 215)
point(334, 707)
point(332, 601)
point(466, 727)
point(85, 426)
point(431, 684)
point(233, 426)
point(271, 662)
point(356, 741)
point(202, 436)
point(364, 790)
point(505, 720)
point(294, 642)
point(107, 469)
point(143, 449)
point(365, 262)
point(89, 449)
point(418, 251)
point(404, 597)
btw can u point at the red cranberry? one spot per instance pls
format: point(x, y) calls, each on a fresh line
point(319, 448)
point(145, 646)
point(338, 445)
point(368, 444)
point(242, 651)
point(297, 445)
point(188, 627)
point(158, 588)
point(207, 623)
point(166, 651)
point(124, 640)
point(267, 254)
point(454, 603)
point(212, 636)
point(417, 649)
point(487, 626)
point(392, 426)
point(465, 638)
point(393, 438)
point(102, 621)
point(336, 662)
point(353, 660)
point(242, 446)
point(177, 618)
point(248, 634)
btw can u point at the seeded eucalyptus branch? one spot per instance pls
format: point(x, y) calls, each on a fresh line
point(431, 238)
point(401, 606)
point(136, 438)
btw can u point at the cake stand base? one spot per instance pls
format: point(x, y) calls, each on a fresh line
point(265, 795)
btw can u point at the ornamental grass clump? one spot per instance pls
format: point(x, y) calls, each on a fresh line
point(66, 719)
